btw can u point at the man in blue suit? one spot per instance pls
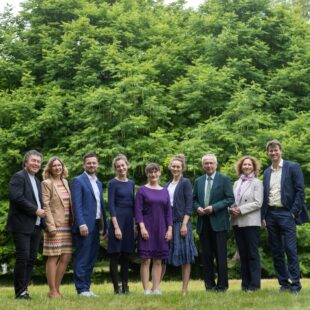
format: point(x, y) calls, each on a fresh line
point(89, 223)
point(283, 208)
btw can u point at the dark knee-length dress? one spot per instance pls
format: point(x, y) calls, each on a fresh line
point(121, 205)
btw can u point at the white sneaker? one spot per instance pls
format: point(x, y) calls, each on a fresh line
point(156, 292)
point(85, 294)
point(92, 294)
point(147, 292)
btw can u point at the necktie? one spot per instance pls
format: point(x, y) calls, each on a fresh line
point(207, 192)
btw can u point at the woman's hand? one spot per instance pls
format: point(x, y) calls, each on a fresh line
point(118, 233)
point(235, 211)
point(183, 230)
point(52, 233)
point(144, 234)
point(168, 235)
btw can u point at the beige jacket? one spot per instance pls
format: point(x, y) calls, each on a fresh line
point(53, 204)
point(251, 201)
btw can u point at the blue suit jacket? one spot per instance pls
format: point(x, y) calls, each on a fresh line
point(221, 197)
point(182, 199)
point(292, 191)
point(84, 204)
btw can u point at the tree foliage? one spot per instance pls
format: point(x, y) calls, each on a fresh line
point(152, 80)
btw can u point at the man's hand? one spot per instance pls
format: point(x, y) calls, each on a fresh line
point(200, 211)
point(84, 230)
point(40, 213)
point(208, 210)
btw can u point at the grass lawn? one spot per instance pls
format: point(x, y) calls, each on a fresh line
point(234, 299)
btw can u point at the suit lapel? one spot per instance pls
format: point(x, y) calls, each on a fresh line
point(87, 182)
point(56, 189)
point(245, 188)
point(29, 185)
point(283, 175)
point(214, 185)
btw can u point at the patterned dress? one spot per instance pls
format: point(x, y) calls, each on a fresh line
point(61, 243)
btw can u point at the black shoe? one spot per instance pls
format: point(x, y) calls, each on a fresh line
point(118, 291)
point(125, 289)
point(284, 289)
point(221, 289)
point(24, 296)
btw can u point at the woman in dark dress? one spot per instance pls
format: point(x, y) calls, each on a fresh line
point(154, 216)
point(121, 228)
point(182, 250)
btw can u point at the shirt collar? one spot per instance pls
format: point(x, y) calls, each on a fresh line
point(280, 166)
point(212, 176)
point(90, 177)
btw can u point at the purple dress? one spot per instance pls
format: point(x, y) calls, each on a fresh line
point(152, 207)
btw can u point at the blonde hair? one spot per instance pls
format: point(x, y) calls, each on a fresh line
point(180, 158)
point(255, 163)
point(47, 172)
point(117, 158)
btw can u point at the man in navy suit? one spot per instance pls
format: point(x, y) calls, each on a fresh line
point(283, 208)
point(89, 223)
point(25, 220)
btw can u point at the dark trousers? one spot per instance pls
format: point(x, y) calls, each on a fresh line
point(214, 246)
point(123, 260)
point(85, 257)
point(282, 240)
point(26, 247)
point(247, 239)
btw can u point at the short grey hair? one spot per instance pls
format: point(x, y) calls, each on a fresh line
point(30, 153)
point(208, 155)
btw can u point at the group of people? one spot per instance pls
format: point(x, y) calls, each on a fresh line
point(73, 218)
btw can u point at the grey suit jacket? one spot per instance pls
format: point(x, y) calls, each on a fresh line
point(250, 203)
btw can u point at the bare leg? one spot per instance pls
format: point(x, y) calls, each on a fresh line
point(51, 269)
point(163, 271)
point(186, 271)
point(145, 273)
point(156, 274)
point(61, 269)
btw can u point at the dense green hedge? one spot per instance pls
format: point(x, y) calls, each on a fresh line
point(150, 80)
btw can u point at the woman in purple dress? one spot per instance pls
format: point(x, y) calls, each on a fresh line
point(121, 228)
point(154, 216)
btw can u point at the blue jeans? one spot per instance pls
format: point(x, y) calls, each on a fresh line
point(282, 239)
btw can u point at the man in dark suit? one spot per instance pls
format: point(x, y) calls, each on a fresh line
point(24, 220)
point(283, 208)
point(212, 196)
point(89, 222)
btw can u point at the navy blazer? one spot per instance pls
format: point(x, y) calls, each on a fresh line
point(84, 203)
point(182, 199)
point(292, 191)
point(23, 205)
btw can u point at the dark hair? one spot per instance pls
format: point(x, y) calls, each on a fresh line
point(255, 163)
point(47, 172)
point(180, 158)
point(273, 143)
point(151, 167)
point(117, 158)
point(30, 153)
point(89, 155)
